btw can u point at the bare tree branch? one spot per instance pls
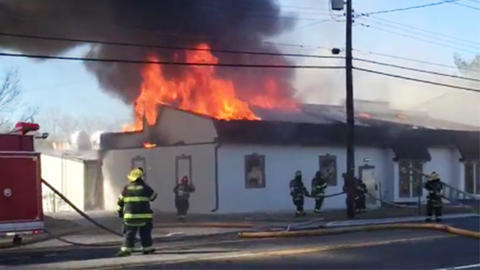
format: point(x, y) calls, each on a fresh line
point(9, 90)
point(29, 114)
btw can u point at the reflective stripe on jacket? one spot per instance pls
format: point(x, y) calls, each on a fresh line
point(134, 202)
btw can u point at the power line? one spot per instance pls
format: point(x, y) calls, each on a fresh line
point(452, 39)
point(417, 38)
point(302, 46)
point(313, 24)
point(416, 60)
point(256, 15)
point(467, 6)
point(409, 8)
point(415, 69)
point(128, 61)
point(303, 7)
point(427, 36)
point(417, 80)
point(128, 44)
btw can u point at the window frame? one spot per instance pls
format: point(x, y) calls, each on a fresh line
point(414, 190)
point(475, 177)
point(248, 184)
point(188, 158)
point(334, 176)
point(143, 164)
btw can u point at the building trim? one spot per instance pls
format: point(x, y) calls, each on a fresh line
point(217, 194)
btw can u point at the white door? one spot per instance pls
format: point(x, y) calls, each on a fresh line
point(368, 177)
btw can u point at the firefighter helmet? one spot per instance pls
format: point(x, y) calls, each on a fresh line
point(433, 176)
point(298, 173)
point(135, 174)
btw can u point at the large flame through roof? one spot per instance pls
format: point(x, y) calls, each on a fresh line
point(200, 90)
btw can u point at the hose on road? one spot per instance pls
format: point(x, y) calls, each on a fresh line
point(61, 239)
point(396, 226)
point(83, 214)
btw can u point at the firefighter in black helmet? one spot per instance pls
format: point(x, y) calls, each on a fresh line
point(134, 208)
point(434, 198)
point(298, 192)
point(319, 184)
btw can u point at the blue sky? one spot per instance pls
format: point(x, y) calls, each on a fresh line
point(68, 87)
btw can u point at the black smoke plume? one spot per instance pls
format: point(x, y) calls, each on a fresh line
point(224, 24)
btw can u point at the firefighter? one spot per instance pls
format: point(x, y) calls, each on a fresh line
point(360, 195)
point(434, 198)
point(134, 208)
point(319, 184)
point(298, 191)
point(182, 193)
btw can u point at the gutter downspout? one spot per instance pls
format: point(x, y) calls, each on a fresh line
point(216, 179)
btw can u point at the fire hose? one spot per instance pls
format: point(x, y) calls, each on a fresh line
point(327, 196)
point(398, 226)
point(91, 220)
point(293, 226)
point(83, 214)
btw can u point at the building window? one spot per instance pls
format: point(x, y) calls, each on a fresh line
point(328, 164)
point(183, 167)
point(472, 177)
point(140, 162)
point(410, 178)
point(254, 171)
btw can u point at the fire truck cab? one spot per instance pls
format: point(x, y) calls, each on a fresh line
point(20, 183)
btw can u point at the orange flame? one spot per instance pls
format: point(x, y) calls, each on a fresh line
point(199, 91)
point(148, 145)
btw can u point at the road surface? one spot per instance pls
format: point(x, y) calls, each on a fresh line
point(394, 249)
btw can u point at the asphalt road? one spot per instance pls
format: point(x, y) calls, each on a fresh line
point(397, 249)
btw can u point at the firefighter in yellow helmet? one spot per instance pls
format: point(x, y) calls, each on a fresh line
point(134, 208)
point(434, 198)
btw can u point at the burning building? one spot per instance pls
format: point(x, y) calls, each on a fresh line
point(240, 148)
point(245, 165)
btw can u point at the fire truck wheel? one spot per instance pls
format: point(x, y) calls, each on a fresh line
point(17, 240)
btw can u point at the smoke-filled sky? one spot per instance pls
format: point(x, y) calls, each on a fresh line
point(106, 89)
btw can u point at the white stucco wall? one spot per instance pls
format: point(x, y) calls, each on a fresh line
point(388, 183)
point(178, 126)
point(445, 161)
point(456, 171)
point(67, 176)
point(441, 162)
point(160, 170)
point(280, 164)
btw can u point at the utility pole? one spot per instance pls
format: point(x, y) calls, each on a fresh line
point(350, 115)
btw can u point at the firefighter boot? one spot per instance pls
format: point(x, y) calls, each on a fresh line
point(124, 252)
point(147, 251)
point(300, 213)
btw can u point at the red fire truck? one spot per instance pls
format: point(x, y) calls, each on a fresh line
point(20, 183)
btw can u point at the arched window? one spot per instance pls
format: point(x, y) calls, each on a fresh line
point(254, 171)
